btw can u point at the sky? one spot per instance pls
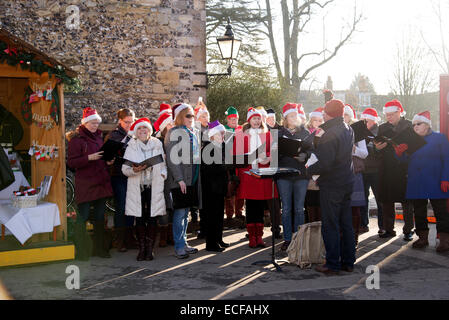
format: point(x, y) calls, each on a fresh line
point(372, 49)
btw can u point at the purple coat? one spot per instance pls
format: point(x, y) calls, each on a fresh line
point(92, 180)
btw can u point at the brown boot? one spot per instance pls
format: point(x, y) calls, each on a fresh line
point(150, 236)
point(140, 231)
point(121, 246)
point(423, 240)
point(163, 232)
point(444, 242)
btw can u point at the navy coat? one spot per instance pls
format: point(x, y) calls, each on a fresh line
point(427, 167)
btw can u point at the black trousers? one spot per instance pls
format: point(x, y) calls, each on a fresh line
point(146, 218)
point(389, 216)
point(440, 210)
point(255, 210)
point(212, 218)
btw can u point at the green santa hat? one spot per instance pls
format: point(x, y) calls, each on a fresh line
point(232, 113)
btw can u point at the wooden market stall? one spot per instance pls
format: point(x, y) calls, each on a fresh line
point(32, 95)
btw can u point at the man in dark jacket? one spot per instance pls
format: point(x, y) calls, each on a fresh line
point(393, 174)
point(371, 171)
point(336, 179)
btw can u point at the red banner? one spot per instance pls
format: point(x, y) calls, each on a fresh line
point(444, 104)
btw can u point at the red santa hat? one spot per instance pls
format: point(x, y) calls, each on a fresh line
point(349, 110)
point(301, 112)
point(289, 108)
point(142, 122)
point(162, 122)
point(252, 112)
point(370, 114)
point(177, 108)
point(393, 106)
point(317, 113)
point(163, 108)
point(90, 114)
point(423, 117)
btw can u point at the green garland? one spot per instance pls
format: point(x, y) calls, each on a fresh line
point(28, 63)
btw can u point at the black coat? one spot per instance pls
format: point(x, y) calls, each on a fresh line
point(300, 134)
point(6, 173)
point(373, 161)
point(214, 177)
point(334, 153)
point(119, 135)
point(392, 173)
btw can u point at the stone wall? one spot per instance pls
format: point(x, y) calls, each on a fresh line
point(128, 53)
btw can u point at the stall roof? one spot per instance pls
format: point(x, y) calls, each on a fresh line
point(22, 45)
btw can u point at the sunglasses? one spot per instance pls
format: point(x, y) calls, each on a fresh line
point(418, 124)
point(189, 116)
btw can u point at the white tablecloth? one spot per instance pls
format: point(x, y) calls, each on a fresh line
point(23, 223)
point(6, 194)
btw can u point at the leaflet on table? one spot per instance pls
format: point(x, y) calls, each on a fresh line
point(312, 160)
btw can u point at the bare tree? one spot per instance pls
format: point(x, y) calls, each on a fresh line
point(411, 74)
point(441, 51)
point(296, 16)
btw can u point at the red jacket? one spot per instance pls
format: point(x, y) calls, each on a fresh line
point(251, 187)
point(92, 180)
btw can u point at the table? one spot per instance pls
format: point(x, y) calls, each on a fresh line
point(6, 194)
point(23, 223)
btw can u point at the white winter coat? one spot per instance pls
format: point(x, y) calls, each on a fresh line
point(157, 174)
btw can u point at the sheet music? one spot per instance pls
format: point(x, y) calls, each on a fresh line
point(312, 160)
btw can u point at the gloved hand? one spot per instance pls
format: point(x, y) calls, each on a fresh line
point(400, 149)
point(445, 186)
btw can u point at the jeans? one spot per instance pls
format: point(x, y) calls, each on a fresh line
point(99, 210)
point(371, 180)
point(119, 186)
point(292, 192)
point(338, 235)
point(180, 222)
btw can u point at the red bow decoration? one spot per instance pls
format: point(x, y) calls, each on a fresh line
point(10, 51)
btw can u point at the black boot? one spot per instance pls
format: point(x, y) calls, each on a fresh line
point(99, 232)
point(150, 236)
point(81, 240)
point(121, 245)
point(140, 232)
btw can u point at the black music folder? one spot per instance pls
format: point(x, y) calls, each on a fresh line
point(148, 162)
point(361, 132)
point(289, 147)
point(110, 149)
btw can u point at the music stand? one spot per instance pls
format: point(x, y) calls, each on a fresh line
point(274, 174)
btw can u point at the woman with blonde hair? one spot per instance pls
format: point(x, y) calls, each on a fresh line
point(183, 147)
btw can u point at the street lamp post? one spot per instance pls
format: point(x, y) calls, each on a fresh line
point(229, 50)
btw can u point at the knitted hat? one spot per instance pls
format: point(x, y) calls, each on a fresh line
point(301, 112)
point(271, 113)
point(164, 108)
point(142, 122)
point(214, 128)
point(317, 113)
point(393, 106)
point(370, 114)
point(232, 112)
point(177, 108)
point(289, 108)
point(90, 114)
point(163, 121)
point(252, 113)
point(349, 110)
point(423, 117)
point(334, 108)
